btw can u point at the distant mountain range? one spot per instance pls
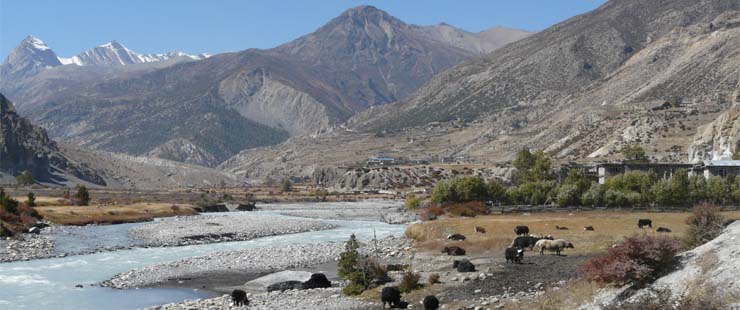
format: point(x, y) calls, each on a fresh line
point(203, 110)
point(656, 73)
point(33, 55)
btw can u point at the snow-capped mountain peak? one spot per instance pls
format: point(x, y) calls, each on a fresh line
point(116, 54)
point(36, 43)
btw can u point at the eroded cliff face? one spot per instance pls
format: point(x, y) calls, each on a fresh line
point(720, 138)
point(183, 150)
point(394, 177)
point(260, 98)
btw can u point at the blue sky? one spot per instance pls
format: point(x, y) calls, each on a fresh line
point(152, 26)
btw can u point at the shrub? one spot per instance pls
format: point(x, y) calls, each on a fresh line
point(468, 209)
point(637, 259)
point(31, 200)
point(409, 282)
point(431, 212)
point(286, 185)
point(705, 223)
point(82, 196)
point(25, 178)
point(412, 202)
point(433, 279)
point(377, 271)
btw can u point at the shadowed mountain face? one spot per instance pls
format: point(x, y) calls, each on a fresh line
point(25, 147)
point(205, 111)
point(624, 52)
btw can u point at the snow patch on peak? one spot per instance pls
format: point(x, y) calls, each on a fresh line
point(36, 43)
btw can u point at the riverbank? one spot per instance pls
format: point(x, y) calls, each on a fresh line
point(221, 271)
point(203, 229)
point(387, 211)
point(26, 247)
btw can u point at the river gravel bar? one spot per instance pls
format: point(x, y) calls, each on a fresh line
point(179, 231)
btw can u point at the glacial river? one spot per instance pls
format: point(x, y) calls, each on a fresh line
point(50, 283)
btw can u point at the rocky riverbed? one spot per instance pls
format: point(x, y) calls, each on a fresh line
point(25, 247)
point(388, 211)
point(316, 299)
point(248, 263)
point(179, 231)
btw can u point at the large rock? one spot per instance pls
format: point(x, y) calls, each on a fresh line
point(263, 284)
point(719, 139)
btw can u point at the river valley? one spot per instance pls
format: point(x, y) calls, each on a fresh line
point(51, 283)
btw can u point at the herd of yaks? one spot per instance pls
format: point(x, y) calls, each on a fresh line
point(515, 252)
point(391, 295)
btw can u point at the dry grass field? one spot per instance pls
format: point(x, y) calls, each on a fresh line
point(138, 212)
point(609, 228)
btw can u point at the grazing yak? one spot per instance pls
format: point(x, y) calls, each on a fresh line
point(644, 222)
point(239, 298)
point(391, 295)
point(515, 255)
point(317, 280)
point(431, 303)
point(453, 250)
point(521, 230)
point(663, 229)
point(457, 237)
point(553, 245)
point(588, 228)
point(480, 230)
point(561, 227)
point(463, 265)
point(527, 241)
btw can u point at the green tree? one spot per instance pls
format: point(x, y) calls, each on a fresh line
point(697, 188)
point(286, 185)
point(568, 195)
point(525, 160)
point(634, 152)
point(717, 190)
point(736, 155)
point(470, 189)
point(31, 200)
point(351, 267)
point(594, 196)
point(663, 193)
point(443, 192)
point(412, 202)
point(496, 192)
point(82, 196)
point(25, 178)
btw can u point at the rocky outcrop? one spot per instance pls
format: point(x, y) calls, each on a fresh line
point(185, 151)
point(25, 147)
point(713, 265)
point(258, 97)
point(719, 139)
point(379, 178)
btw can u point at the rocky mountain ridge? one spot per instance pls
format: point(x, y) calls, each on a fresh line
point(25, 147)
point(185, 112)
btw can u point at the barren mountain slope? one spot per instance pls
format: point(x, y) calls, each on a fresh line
point(648, 72)
point(25, 147)
point(205, 111)
point(566, 60)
